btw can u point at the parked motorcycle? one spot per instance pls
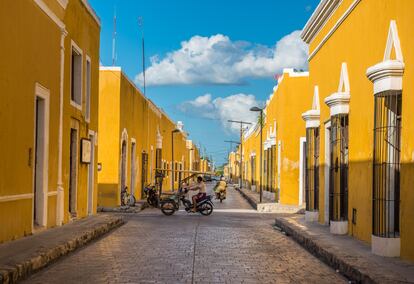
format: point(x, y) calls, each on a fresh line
point(172, 204)
point(152, 195)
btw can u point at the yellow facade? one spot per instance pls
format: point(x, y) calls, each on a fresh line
point(283, 136)
point(343, 44)
point(36, 79)
point(132, 129)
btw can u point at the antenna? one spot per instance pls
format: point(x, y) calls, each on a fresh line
point(114, 40)
point(141, 25)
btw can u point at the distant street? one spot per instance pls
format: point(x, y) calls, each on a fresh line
point(233, 245)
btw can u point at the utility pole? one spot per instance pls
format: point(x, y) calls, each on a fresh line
point(141, 25)
point(242, 123)
point(114, 40)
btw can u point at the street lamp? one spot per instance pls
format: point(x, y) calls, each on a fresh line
point(172, 157)
point(261, 147)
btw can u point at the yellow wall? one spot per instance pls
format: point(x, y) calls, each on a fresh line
point(290, 99)
point(360, 42)
point(32, 42)
point(125, 111)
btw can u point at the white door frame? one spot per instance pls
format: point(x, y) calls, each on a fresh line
point(41, 195)
point(302, 159)
point(91, 174)
point(74, 125)
point(327, 167)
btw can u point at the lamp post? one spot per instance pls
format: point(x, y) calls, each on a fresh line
point(172, 158)
point(261, 147)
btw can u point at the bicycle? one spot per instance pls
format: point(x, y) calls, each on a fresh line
point(126, 198)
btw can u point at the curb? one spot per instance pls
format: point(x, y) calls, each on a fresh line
point(248, 199)
point(337, 263)
point(19, 271)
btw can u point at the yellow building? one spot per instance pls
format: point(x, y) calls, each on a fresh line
point(360, 56)
point(283, 138)
point(135, 138)
point(49, 82)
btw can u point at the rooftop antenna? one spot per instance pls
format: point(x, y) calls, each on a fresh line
point(114, 40)
point(141, 25)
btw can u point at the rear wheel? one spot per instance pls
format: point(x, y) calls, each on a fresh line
point(206, 209)
point(168, 207)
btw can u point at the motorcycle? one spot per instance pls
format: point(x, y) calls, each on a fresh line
point(152, 195)
point(172, 204)
point(221, 195)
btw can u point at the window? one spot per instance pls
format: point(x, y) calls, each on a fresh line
point(76, 77)
point(386, 176)
point(338, 180)
point(88, 90)
point(312, 169)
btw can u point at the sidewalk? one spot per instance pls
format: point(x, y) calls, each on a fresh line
point(267, 205)
point(351, 257)
point(22, 257)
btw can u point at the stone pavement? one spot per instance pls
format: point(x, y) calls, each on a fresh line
point(233, 245)
point(267, 205)
point(22, 257)
point(351, 257)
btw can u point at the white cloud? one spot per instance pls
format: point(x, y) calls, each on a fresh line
point(219, 60)
point(234, 107)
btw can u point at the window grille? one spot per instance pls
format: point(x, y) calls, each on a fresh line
point(312, 169)
point(386, 164)
point(338, 179)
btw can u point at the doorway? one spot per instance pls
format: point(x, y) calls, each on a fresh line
point(91, 173)
point(133, 167)
point(41, 141)
point(144, 174)
point(123, 165)
point(73, 175)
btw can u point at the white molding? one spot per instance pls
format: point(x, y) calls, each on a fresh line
point(302, 160)
point(91, 173)
point(319, 17)
point(387, 75)
point(44, 94)
point(92, 12)
point(43, 6)
point(73, 45)
point(8, 198)
point(88, 104)
point(334, 28)
point(110, 68)
point(312, 116)
point(338, 102)
point(388, 247)
point(51, 193)
point(339, 227)
point(60, 197)
point(63, 3)
point(311, 216)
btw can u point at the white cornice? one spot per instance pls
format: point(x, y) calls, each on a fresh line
point(318, 19)
point(91, 11)
point(63, 3)
point(43, 6)
point(334, 28)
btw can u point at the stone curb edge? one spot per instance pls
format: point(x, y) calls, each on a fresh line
point(245, 196)
point(20, 271)
point(334, 261)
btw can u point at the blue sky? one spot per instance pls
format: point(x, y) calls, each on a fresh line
point(207, 61)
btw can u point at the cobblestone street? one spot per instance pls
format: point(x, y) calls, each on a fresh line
point(233, 245)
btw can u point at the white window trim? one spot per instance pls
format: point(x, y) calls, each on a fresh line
point(79, 50)
point(88, 118)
